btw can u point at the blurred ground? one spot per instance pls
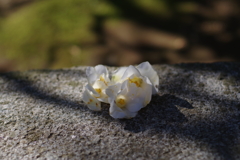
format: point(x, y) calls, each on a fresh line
point(54, 34)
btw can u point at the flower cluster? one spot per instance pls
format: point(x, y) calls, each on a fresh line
point(127, 90)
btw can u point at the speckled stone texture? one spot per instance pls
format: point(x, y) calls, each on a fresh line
point(196, 115)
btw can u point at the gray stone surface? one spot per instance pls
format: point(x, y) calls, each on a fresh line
point(196, 115)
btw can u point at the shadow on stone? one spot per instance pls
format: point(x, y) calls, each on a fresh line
point(218, 136)
point(162, 116)
point(161, 111)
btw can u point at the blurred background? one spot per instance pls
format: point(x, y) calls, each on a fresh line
point(40, 34)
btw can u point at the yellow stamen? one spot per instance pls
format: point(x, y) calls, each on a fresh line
point(103, 80)
point(98, 90)
point(138, 81)
point(121, 101)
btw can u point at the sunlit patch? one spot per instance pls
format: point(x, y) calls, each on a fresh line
point(138, 81)
point(121, 101)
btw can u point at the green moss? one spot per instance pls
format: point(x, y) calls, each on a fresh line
point(36, 33)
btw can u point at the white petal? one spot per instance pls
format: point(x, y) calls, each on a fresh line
point(92, 90)
point(99, 84)
point(147, 96)
point(100, 88)
point(91, 75)
point(124, 88)
point(105, 78)
point(146, 69)
point(135, 105)
point(91, 101)
point(117, 74)
point(113, 90)
point(100, 69)
point(143, 92)
point(130, 71)
point(132, 90)
point(117, 114)
point(103, 99)
point(95, 106)
point(148, 90)
point(115, 111)
point(94, 73)
point(130, 114)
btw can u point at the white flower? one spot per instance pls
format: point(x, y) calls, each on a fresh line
point(122, 103)
point(98, 72)
point(98, 81)
point(145, 69)
point(142, 83)
point(132, 93)
point(90, 98)
point(98, 78)
point(129, 89)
